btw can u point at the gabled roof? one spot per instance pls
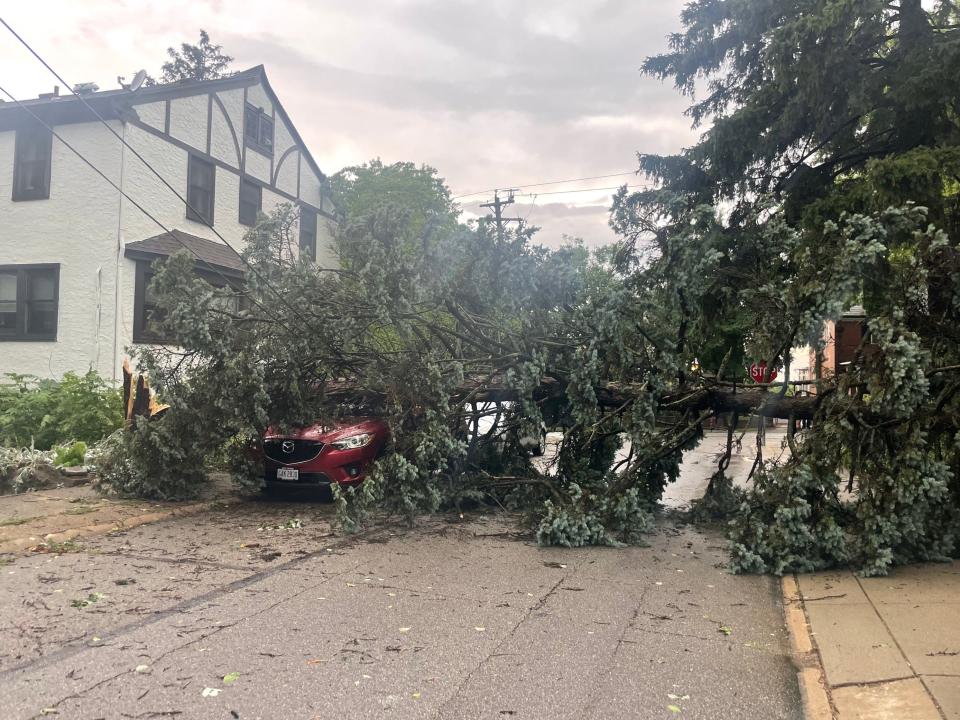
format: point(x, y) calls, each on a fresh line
point(204, 251)
point(67, 108)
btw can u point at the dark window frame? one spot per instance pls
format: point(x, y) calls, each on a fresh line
point(23, 136)
point(23, 272)
point(254, 136)
point(194, 213)
point(309, 243)
point(143, 276)
point(259, 188)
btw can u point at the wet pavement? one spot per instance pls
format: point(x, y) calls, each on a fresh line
point(261, 611)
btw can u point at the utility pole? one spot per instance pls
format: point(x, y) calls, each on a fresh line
point(497, 205)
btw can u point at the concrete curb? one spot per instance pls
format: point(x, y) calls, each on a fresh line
point(124, 524)
point(804, 655)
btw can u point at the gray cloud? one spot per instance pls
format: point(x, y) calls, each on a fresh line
point(491, 92)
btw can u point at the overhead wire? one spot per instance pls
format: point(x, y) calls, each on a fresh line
point(548, 182)
point(583, 190)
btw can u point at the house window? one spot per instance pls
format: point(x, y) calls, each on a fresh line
point(148, 316)
point(258, 129)
point(250, 202)
point(201, 179)
point(29, 297)
point(308, 232)
point(31, 164)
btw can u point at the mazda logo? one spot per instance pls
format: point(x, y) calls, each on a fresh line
point(287, 446)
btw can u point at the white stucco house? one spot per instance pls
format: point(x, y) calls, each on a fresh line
point(75, 255)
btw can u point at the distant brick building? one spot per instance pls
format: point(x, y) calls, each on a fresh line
point(841, 340)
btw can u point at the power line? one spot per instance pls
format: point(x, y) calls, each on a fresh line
point(549, 182)
point(583, 190)
point(54, 133)
point(152, 169)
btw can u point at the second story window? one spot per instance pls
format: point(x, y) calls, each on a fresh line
point(250, 201)
point(29, 296)
point(308, 233)
point(258, 129)
point(201, 178)
point(31, 164)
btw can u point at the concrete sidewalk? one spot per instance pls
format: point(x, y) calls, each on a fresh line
point(889, 647)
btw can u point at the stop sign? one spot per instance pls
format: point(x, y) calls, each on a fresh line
point(757, 371)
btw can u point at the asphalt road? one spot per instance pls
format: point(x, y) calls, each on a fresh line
point(239, 613)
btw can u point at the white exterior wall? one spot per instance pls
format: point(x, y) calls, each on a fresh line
point(77, 228)
point(83, 223)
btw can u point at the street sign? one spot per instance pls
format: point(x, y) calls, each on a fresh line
point(757, 371)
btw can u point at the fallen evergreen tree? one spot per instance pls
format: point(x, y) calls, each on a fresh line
point(828, 178)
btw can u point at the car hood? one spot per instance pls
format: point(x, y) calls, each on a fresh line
point(329, 432)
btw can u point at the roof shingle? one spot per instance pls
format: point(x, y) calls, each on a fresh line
point(206, 251)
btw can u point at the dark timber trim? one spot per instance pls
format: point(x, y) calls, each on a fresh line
point(243, 134)
point(209, 120)
point(225, 166)
point(276, 172)
point(166, 118)
point(233, 130)
point(273, 154)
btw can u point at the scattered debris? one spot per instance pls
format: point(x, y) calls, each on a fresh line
point(88, 601)
point(231, 678)
point(57, 548)
point(125, 581)
point(210, 692)
point(291, 524)
point(554, 564)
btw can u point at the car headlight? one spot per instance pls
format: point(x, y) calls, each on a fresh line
point(353, 442)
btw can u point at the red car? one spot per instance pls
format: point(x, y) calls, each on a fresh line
point(322, 454)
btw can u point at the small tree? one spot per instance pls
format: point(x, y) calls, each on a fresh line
point(203, 61)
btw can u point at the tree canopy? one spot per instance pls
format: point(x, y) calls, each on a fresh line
point(203, 61)
point(829, 168)
point(826, 177)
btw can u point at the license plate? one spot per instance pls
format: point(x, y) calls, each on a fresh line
point(286, 473)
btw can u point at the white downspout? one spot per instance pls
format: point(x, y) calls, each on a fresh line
point(119, 266)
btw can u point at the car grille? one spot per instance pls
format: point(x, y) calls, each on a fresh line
point(301, 451)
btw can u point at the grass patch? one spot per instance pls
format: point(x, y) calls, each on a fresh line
point(9, 522)
point(58, 548)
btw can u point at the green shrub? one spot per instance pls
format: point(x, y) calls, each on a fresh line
point(42, 413)
point(70, 455)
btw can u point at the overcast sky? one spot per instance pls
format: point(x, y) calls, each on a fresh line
point(493, 93)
